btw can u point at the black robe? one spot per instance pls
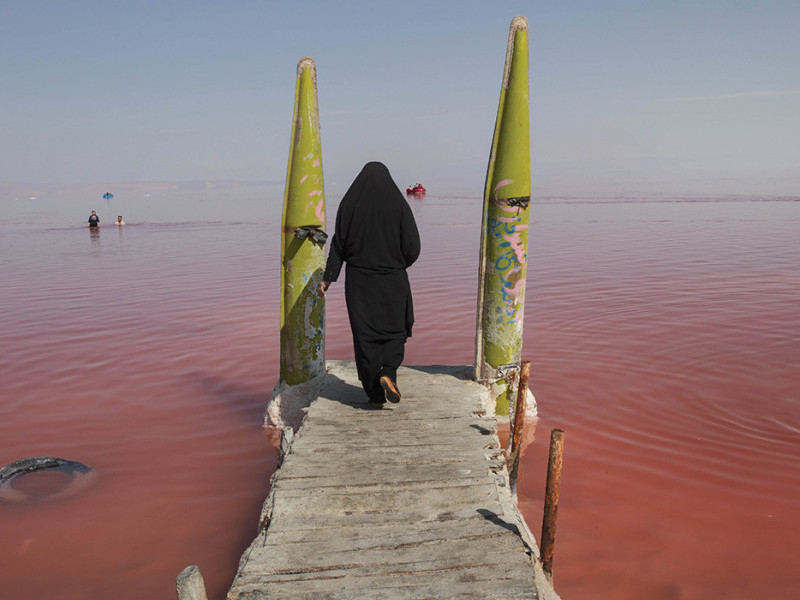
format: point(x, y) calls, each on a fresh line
point(377, 237)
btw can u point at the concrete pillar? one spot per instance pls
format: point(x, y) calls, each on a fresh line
point(303, 242)
point(504, 236)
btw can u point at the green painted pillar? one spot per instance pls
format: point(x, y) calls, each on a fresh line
point(303, 256)
point(504, 237)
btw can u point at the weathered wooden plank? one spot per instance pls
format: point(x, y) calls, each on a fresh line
point(358, 577)
point(367, 426)
point(477, 582)
point(428, 465)
point(422, 555)
point(288, 518)
point(421, 462)
point(390, 534)
point(370, 483)
point(402, 505)
point(400, 452)
point(401, 437)
point(390, 438)
point(402, 474)
point(392, 499)
point(393, 415)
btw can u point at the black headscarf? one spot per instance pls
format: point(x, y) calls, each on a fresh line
point(375, 228)
point(377, 237)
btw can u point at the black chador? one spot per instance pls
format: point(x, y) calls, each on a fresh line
point(377, 237)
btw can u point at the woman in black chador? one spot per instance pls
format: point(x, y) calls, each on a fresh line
point(377, 237)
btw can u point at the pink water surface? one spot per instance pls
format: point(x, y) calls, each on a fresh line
point(663, 335)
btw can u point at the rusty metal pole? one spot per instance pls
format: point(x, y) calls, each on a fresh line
point(551, 501)
point(517, 425)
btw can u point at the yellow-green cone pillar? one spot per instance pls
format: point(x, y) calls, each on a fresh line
point(303, 260)
point(504, 238)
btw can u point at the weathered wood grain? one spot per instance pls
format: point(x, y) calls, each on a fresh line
point(409, 501)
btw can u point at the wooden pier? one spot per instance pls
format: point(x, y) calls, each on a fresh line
point(406, 501)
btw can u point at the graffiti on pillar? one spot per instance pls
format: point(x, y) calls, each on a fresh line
point(505, 224)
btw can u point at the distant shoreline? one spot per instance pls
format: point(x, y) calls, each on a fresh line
point(26, 190)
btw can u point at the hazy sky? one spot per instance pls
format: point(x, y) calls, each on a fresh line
point(624, 94)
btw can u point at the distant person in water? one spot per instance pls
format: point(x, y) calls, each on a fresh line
point(377, 237)
point(94, 220)
point(120, 221)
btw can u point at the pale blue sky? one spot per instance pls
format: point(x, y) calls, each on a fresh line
point(665, 96)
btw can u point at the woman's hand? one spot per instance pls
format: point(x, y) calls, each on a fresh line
point(323, 287)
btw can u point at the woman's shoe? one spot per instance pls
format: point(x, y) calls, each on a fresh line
point(390, 388)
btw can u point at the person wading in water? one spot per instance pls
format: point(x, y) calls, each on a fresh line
point(377, 237)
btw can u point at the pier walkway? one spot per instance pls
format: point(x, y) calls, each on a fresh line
point(406, 501)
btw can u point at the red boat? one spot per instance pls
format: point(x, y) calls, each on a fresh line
point(415, 189)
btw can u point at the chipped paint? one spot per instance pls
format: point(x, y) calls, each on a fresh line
point(319, 210)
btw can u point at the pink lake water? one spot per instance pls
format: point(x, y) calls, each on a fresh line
point(664, 336)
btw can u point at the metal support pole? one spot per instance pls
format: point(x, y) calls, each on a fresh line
point(517, 425)
point(551, 501)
